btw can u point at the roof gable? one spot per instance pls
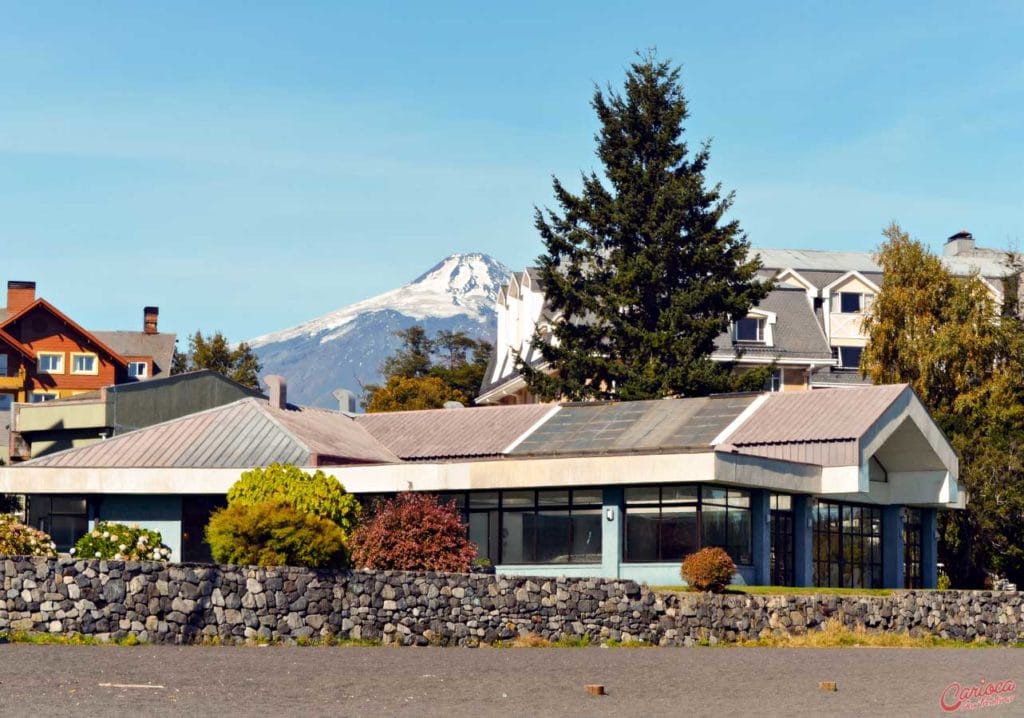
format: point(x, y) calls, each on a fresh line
point(61, 316)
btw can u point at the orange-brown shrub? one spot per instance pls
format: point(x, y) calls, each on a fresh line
point(709, 569)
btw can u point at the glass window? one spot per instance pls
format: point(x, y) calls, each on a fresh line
point(138, 369)
point(774, 382)
point(750, 330)
point(551, 526)
point(63, 517)
point(5, 402)
point(687, 518)
point(38, 397)
point(912, 548)
point(3, 365)
point(849, 302)
point(50, 362)
point(849, 357)
point(847, 545)
point(83, 364)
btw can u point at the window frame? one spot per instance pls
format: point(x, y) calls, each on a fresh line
point(734, 500)
point(145, 369)
point(43, 395)
point(85, 355)
point(760, 333)
point(842, 363)
point(864, 302)
point(4, 363)
point(48, 354)
point(832, 539)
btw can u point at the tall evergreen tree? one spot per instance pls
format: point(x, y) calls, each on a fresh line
point(641, 270)
point(215, 352)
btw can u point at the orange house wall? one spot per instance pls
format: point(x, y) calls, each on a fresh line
point(57, 336)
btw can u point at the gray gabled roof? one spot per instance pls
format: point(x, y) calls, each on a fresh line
point(158, 346)
point(243, 434)
point(796, 333)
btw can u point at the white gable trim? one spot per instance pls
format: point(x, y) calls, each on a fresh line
point(853, 273)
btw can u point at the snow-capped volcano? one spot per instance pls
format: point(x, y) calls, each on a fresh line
point(344, 348)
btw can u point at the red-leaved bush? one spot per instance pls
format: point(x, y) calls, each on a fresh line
point(413, 532)
point(709, 569)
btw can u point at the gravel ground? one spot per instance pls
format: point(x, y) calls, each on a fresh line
point(351, 681)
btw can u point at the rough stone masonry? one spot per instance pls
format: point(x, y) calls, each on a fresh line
point(191, 603)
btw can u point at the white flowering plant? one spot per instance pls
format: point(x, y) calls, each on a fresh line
point(17, 539)
point(122, 543)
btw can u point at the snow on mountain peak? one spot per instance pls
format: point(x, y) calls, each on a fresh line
point(459, 284)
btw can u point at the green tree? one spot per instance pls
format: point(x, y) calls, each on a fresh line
point(410, 393)
point(215, 352)
point(413, 358)
point(642, 269)
point(945, 336)
point(453, 357)
point(318, 494)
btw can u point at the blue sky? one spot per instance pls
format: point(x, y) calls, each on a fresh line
point(247, 166)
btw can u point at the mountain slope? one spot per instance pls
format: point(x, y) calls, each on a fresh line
point(343, 349)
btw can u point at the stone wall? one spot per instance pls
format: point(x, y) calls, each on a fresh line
point(187, 603)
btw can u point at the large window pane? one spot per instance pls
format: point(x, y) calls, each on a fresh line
point(739, 535)
point(517, 539)
point(483, 499)
point(515, 499)
point(642, 534)
point(553, 531)
point(713, 527)
point(586, 536)
point(678, 532)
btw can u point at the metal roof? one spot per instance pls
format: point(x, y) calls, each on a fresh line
point(243, 434)
point(989, 263)
point(452, 433)
point(819, 415)
point(635, 426)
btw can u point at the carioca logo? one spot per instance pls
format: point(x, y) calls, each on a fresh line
point(954, 695)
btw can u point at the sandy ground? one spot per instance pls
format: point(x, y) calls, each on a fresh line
point(452, 682)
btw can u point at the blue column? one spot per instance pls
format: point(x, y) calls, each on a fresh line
point(611, 531)
point(761, 536)
point(803, 570)
point(929, 549)
point(892, 547)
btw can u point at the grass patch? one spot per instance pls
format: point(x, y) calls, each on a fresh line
point(835, 635)
point(786, 590)
point(626, 644)
point(60, 639)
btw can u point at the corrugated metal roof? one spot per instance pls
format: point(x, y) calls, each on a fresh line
point(452, 433)
point(243, 434)
point(819, 415)
point(636, 426)
point(988, 263)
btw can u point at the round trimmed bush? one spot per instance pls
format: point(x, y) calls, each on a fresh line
point(17, 539)
point(109, 540)
point(710, 569)
point(274, 533)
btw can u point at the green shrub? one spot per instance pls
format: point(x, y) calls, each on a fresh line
point(944, 583)
point(17, 539)
point(709, 569)
point(318, 494)
point(110, 540)
point(413, 532)
point(274, 533)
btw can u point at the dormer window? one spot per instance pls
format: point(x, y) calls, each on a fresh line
point(750, 329)
point(854, 302)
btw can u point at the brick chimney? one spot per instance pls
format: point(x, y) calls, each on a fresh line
point(149, 319)
point(20, 295)
point(278, 388)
